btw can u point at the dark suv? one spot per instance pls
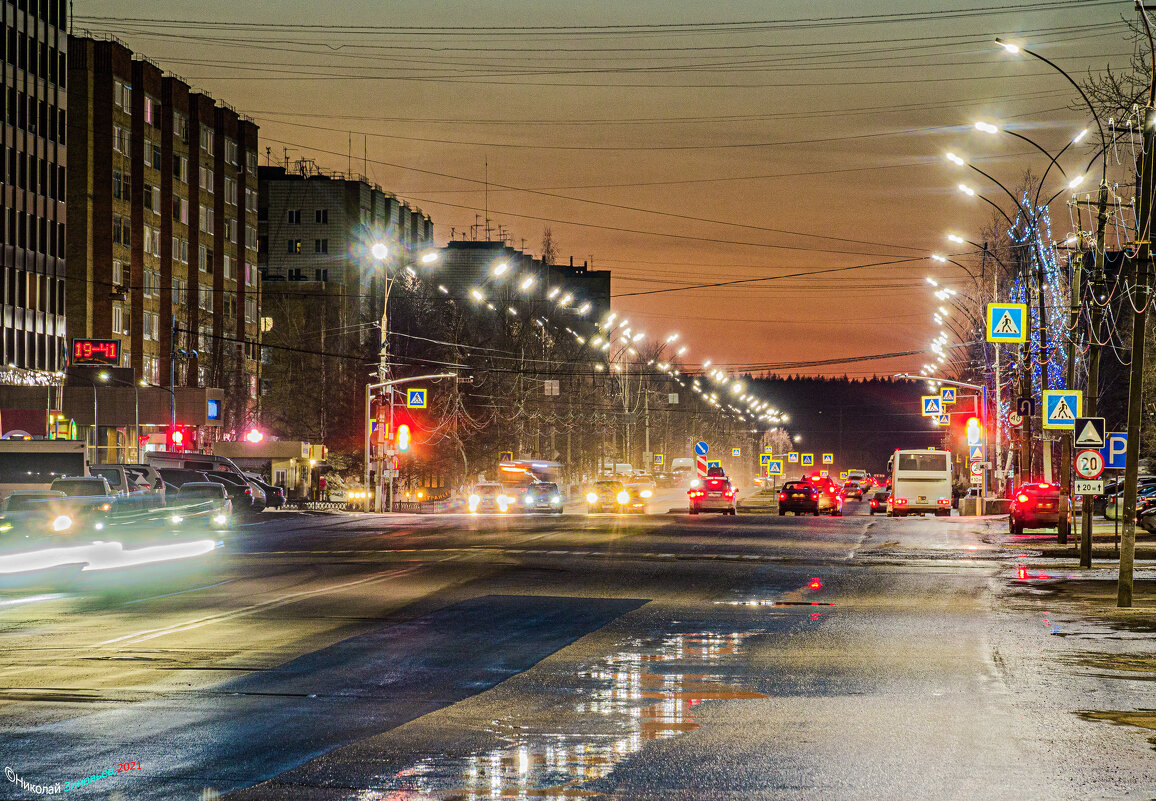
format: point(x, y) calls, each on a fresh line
point(1039, 506)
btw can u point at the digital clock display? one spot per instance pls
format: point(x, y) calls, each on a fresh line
point(96, 351)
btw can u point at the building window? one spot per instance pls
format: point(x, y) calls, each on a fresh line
point(181, 210)
point(293, 246)
point(181, 168)
point(251, 161)
point(117, 272)
point(152, 198)
point(207, 141)
point(250, 310)
point(120, 139)
point(206, 175)
point(120, 184)
point(227, 266)
point(231, 190)
point(231, 151)
point(321, 275)
point(122, 96)
point(120, 231)
point(152, 240)
point(251, 201)
point(294, 216)
point(207, 219)
point(152, 111)
point(205, 260)
point(320, 245)
point(251, 237)
point(181, 127)
point(321, 216)
point(230, 230)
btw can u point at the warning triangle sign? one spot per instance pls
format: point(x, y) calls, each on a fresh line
point(1007, 326)
point(1062, 411)
point(1090, 437)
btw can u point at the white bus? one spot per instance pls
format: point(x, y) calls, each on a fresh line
point(33, 464)
point(920, 483)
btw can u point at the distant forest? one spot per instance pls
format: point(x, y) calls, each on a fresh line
point(861, 421)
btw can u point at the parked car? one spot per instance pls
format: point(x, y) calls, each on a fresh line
point(89, 501)
point(203, 503)
point(239, 489)
point(1111, 501)
point(715, 493)
point(115, 475)
point(274, 495)
point(879, 501)
point(1039, 505)
point(543, 496)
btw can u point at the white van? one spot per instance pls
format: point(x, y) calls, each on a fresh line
point(920, 483)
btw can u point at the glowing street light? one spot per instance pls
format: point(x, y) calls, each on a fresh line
point(954, 159)
point(967, 190)
point(500, 269)
point(986, 127)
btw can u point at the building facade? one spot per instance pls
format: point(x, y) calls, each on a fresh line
point(323, 293)
point(33, 159)
point(162, 187)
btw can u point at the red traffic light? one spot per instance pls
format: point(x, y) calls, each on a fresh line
point(182, 438)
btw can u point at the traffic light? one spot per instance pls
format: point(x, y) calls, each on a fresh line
point(403, 437)
point(182, 438)
point(974, 430)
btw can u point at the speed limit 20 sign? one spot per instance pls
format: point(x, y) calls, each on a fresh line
point(1089, 464)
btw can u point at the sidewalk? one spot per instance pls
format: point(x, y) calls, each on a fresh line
point(1103, 543)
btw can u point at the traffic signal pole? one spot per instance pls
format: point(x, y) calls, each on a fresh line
point(1096, 310)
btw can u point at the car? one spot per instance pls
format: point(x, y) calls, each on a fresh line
point(798, 497)
point(1111, 502)
point(117, 477)
point(175, 477)
point(490, 496)
point(853, 489)
point(639, 497)
point(831, 494)
point(879, 500)
point(274, 495)
point(240, 491)
point(715, 493)
point(606, 495)
point(205, 503)
point(543, 496)
point(28, 516)
point(1039, 505)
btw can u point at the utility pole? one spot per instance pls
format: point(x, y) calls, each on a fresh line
point(1075, 281)
point(1143, 265)
point(1096, 309)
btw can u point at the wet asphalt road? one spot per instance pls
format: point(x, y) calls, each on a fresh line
point(659, 657)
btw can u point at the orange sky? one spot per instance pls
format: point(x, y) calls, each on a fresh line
point(695, 153)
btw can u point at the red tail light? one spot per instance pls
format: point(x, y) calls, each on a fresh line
point(1022, 498)
point(782, 496)
point(944, 501)
point(248, 491)
point(900, 502)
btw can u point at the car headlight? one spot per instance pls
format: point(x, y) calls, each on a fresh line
point(99, 526)
point(62, 523)
point(104, 507)
point(695, 484)
point(5, 527)
point(526, 499)
point(623, 497)
point(220, 520)
point(177, 520)
point(646, 493)
point(475, 501)
point(556, 499)
point(591, 497)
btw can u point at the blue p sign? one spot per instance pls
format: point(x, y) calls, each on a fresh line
point(1115, 450)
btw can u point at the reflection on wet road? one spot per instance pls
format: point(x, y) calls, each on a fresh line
point(643, 692)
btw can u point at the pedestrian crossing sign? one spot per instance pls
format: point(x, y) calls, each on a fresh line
point(1062, 407)
point(415, 398)
point(932, 405)
point(736, 451)
point(1007, 322)
point(942, 419)
point(946, 395)
point(775, 467)
point(765, 459)
point(828, 458)
point(807, 459)
point(793, 457)
point(714, 463)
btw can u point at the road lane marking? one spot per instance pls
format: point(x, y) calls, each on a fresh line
point(151, 634)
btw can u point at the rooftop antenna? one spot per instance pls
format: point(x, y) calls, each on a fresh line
point(487, 163)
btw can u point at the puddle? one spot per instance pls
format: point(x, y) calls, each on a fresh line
point(648, 690)
point(1141, 718)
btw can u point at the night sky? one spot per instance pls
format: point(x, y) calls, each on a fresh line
point(673, 143)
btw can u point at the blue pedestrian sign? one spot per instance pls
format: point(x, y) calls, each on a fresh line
point(415, 398)
point(1116, 450)
point(701, 448)
point(765, 459)
point(775, 467)
point(932, 405)
point(947, 395)
point(1062, 407)
point(975, 453)
point(1007, 322)
point(807, 459)
point(793, 457)
point(711, 464)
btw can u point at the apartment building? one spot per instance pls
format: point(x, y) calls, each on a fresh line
point(162, 188)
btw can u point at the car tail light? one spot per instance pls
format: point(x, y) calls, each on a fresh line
point(900, 502)
point(782, 496)
point(1022, 498)
point(945, 501)
point(248, 491)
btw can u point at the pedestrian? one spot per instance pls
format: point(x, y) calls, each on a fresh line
point(323, 488)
